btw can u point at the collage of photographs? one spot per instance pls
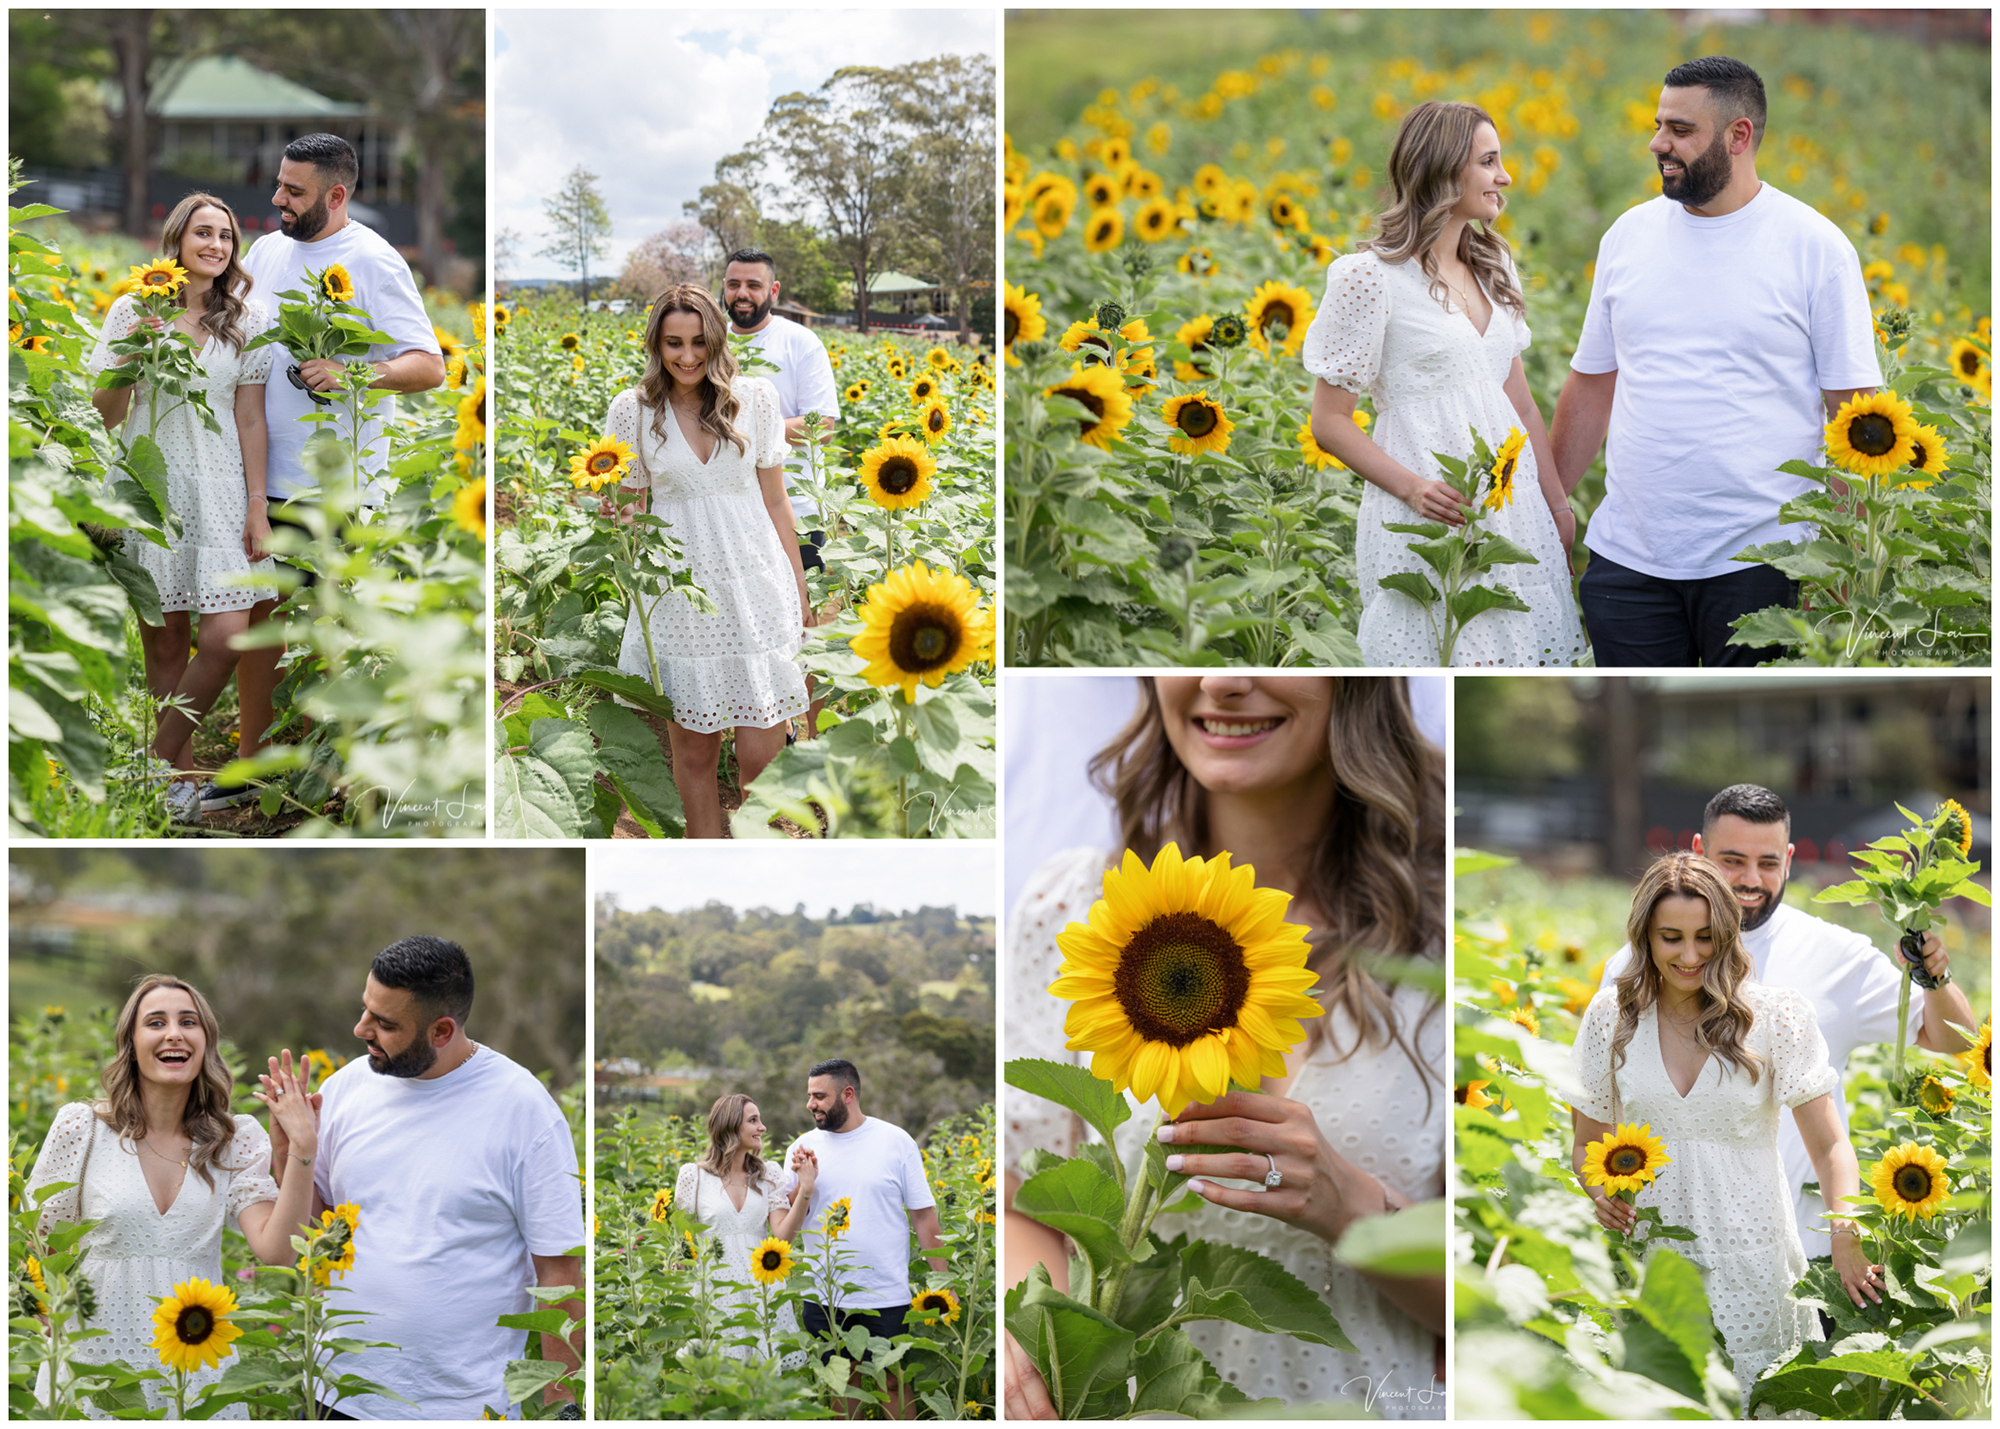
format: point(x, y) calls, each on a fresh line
point(1413, 588)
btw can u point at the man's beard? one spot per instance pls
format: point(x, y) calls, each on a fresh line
point(833, 1118)
point(306, 226)
point(1702, 180)
point(756, 315)
point(413, 1061)
point(1753, 921)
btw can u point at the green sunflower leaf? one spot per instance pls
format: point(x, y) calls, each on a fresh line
point(1080, 1200)
point(1174, 1378)
point(1084, 1357)
point(1069, 1085)
point(1228, 1282)
point(1410, 1242)
point(1669, 1342)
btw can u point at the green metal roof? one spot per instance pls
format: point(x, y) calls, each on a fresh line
point(230, 87)
point(898, 283)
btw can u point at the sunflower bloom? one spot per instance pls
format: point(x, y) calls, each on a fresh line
point(936, 1307)
point(1316, 457)
point(897, 473)
point(468, 508)
point(162, 276)
point(663, 1200)
point(1199, 424)
point(934, 421)
point(335, 1243)
point(771, 1262)
point(1928, 463)
point(1104, 230)
point(336, 284)
point(570, 341)
point(189, 1329)
point(1935, 1097)
point(1624, 1159)
point(1978, 1058)
point(1524, 1017)
point(1156, 221)
point(921, 624)
point(1279, 305)
point(1102, 393)
point(836, 1219)
point(1185, 976)
point(471, 433)
point(1473, 1094)
point(1506, 465)
point(1969, 364)
point(603, 462)
point(1955, 826)
point(500, 318)
point(1194, 334)
point(1911, 1181)
point(1871, 434)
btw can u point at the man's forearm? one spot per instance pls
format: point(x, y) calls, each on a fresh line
point(416, 371)
point(1943, 1007)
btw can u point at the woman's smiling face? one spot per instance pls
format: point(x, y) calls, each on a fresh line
point(1239, 734)
point(167, 1038)
point(1683, 940)
point(752, 1130)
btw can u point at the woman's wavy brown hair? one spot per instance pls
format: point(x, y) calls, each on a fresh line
point(718, 396)
point(1378, 877)
point(1725, 1017)
point(1432, 147)
point(726, 1150)
point(222, 314)
point(208, 1120)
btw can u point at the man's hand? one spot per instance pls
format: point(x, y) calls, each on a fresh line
point(552, 1271)
point(323, 374)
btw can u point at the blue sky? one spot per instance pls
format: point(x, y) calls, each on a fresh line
point(779, 874)
point(648, 100)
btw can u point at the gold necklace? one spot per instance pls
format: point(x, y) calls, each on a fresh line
point(182, 1163)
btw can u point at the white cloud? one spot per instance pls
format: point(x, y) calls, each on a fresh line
point(648, 100)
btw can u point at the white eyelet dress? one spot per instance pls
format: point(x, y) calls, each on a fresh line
point(1726, 1182)
point(702, 1195)
point(1373, 1108)
point(738, 667)
point(1433, 376)
point(136, 1253)
point(199, 571)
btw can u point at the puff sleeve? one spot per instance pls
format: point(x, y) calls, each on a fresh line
point(61, 1159)
point(256, 365)
point(623, 421)
point(1801, 1069)
point(121, 321)
point(1344, 343)
point(1590, 1055)
point(778, 1188)
point(248, 1162)
point(767, 426)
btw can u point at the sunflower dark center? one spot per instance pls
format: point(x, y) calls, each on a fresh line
point(773, 1259)
point(1505, 475)
point(1196, 419)
point(1913, 1182)
point(1625, 1161)
point(1968, 363)
point(602, 462)
point(1277, 315)
point(1089, 399)
point(936, 1302)
point(935, 421)
point(194, 1324)
point(1013, 326)
point(1181, 978)
point(1871, 434)
point(924, 637)
point(898, 475)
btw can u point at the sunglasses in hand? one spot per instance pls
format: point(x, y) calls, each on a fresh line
point(299, 381)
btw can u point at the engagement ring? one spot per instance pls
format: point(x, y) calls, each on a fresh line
point(1274, 1178)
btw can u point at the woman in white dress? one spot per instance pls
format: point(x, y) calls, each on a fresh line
point(743, 1199)
point(1325, 786)
point(160, 1163)
point(215, 480)
point(1428, 319)
point(1686, 1043)
point(711, 449)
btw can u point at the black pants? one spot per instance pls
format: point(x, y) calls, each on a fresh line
point(809, 545)
point(308, 578)
point(1637, 619)
point(886, 1323)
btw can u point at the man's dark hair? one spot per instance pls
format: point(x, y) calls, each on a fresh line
point(842, 1071)
point(1735, 89)
point(753, 255)
point(1752, 803)
point(331, 156)
point(436, 972)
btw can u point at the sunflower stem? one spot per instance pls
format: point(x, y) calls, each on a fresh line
point(1131, 1230)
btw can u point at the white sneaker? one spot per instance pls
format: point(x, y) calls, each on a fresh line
point(184, 802)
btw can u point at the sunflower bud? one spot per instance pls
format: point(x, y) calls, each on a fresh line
point(86, 1295)
point(1138, 262)
point(1229, 331)
point(1111, 315)
point(1031, 351)
point(1175, 552)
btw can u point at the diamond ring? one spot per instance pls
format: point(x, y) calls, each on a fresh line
point(1274, 1178)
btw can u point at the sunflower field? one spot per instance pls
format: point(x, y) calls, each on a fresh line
point(1166, 236)
point(377, 713)
point(663, 1346)
point(902, 656)
point(1553, 1321)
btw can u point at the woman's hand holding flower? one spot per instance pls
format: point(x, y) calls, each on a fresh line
point(1320, 1191)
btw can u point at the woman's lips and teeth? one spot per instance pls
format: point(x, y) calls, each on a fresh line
point(1234, 732)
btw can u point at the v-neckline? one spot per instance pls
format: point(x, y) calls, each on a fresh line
point(181, 1186)
point(1660, 1049)
point(1461, 312)
point(737, 1205)
point(693, 451)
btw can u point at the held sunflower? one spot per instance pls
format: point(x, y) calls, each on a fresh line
point(189, 1329)
point(1955, 826)
point(1101, 391)
point(603, 462)
point(162, 277)
point(921, 624)
point(1281, 312)
point(934, 1307)
point(1506, 465)
point(1910, 1181)
point(1871, 434)
point(1185, 976)
point(771, 1262)
point(897, 474)
point(1025, 322)
point(1624, 1159)
point(1199, 424)
point(336, 284)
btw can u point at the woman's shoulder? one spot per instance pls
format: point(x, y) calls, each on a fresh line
point(749, 389)
point(73, 1116)
point(1071, 871)
point(256, 314)
point(1364, 263)
point(1773, 1001)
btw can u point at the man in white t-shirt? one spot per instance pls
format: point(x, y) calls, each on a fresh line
point(315, 181)
point(465, 1174)
point(1746, 830)
point(1727, 323)
point(876, 1168)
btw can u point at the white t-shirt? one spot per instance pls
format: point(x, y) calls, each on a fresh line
point(384, 289)
point(805, 384)
point(1723, 331)
point(459, 1179)
point(877, 1166)
point(1853, 988)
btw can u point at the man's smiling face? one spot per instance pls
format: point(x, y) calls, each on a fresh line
point(396, 1031)
point(1690, 147)
point(1755, 858)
